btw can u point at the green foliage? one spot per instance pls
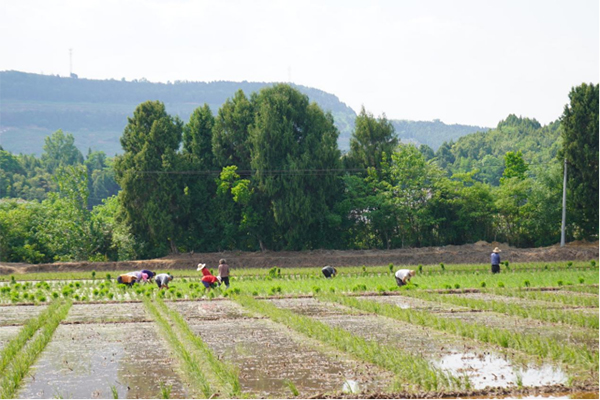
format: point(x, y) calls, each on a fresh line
point(580, 148)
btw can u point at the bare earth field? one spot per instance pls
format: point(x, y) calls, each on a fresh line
point(477, 253)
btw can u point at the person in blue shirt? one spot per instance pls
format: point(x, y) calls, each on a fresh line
point(495, 260)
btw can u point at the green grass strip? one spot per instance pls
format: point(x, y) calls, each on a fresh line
point(191, 364)
point(227, 376)
point(537, 312)
point(26, 332)
point(556, 296)
point(413, 373)
point(20, 362)
point(529, 344)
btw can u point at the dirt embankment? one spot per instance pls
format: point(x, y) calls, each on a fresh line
point(477, 253)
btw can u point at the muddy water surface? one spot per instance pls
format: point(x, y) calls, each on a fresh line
point(18, 315)
point(86, 361)
point(560, 332)
point(485, 366)
point(268, 355)
point(7, 333)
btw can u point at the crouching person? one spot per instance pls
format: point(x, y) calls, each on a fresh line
point(208, 280)
point(162, 280)
point(403, 276)
point(329, 272)
point(127, 279)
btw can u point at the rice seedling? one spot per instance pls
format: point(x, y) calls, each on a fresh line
point(535, 345)
point(408, 367)
point(226, 376)
point(530, 311)
point(191, 365)
point(18, 366)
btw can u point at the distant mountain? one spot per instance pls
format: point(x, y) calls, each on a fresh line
point(432, 133)
point(33, 106)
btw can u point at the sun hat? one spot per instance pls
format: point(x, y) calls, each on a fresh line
point(496, 250)
point(200, 266)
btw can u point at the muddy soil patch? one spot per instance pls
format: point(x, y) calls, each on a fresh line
point(18, 315)
point(477, 253)
point(107, 312)
point(7, 333)
point(485, 366)
point(86, 361)
point(525, 303)
point(267, 354)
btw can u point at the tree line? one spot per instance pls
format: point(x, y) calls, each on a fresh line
point(265, 173)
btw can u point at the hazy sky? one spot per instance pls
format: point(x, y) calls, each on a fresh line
point(468, 62)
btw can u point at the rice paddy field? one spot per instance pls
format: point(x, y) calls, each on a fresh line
point(457, 331)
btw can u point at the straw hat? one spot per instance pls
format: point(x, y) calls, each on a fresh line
point(200, 266)
point(496, 250)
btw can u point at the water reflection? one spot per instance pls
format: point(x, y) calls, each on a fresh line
point(489, 370)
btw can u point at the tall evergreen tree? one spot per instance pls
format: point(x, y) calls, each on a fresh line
point(151, 191)
point(199, 226)
point(230, 136)
point(296, 161)
point(580, 149)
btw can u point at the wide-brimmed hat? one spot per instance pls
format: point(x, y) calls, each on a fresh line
point(496, 250)
point(200, 266)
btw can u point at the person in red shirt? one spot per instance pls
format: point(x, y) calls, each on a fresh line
point(208, 280)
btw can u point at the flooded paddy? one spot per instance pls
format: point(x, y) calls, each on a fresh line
point(100, 360)
point(485, 366)
point(268, 355)
point(18, 315)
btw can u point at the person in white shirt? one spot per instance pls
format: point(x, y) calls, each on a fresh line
point(403, 276)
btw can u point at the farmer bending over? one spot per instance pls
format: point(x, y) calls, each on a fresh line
point(162, 280)
point(208, 280)
point(403, 276)
point(126, 279)
point(329, 272)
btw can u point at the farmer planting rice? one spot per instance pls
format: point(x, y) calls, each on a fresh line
point(127, 279)
point(208, 280)
point(403, 276)
point(329, 271)
point(495, 258)
point(162, 280)
point(140, 276)
point(150, 274)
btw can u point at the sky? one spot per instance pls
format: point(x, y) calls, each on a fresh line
point(469, 62)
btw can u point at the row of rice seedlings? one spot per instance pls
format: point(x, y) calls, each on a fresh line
point(570, 299)
point(304, 272)
point(536, 345)
point(538, 312)
point(25, 333)
point(20, 361)
point(191, 288)
point(191, 364)
point(227, 376)
point(413, 373)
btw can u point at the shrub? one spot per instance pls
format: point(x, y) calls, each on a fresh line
point(316, 289)
point(581, 280)
point(482, 284)
point(560, 283)
point(593, 263)
point(456, 286)
point(527, 283)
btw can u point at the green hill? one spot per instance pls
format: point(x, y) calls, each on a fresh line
point(33, 106)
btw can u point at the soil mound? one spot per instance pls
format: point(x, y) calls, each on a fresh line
point(476, 253)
